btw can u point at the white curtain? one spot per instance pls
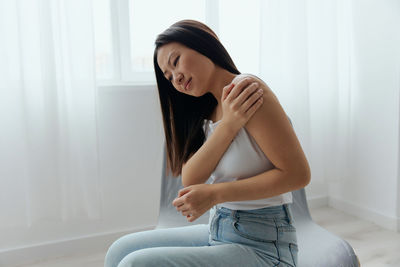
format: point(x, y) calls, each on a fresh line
point(334, 65)
point(49, 170)
point(322, 58)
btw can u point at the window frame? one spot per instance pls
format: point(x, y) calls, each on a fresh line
point(120, 35)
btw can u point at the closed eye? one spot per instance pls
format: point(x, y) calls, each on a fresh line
point(175, 62)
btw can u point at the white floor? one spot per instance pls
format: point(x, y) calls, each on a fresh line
point(375, 246)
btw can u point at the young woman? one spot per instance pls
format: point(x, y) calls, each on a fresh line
point(237, 153)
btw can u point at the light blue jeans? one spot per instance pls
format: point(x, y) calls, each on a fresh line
point(260, 237)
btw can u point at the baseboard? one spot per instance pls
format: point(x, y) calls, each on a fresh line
point(390, 223)
point(101, 242)
point(318, 201)
point(62, 248)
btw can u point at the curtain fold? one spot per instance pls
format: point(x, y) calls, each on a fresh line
point(49, 162)
point(334, 67)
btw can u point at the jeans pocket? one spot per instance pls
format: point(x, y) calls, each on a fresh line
point(213, 227)
point(294, 251)
point(286, 232)
point(262, 231)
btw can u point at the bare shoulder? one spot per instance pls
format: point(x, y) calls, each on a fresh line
point(263, 85)
point(271, 129)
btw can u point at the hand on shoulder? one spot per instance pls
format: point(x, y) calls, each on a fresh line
point(253, 78)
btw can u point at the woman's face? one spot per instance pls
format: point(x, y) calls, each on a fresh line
point(189, 71)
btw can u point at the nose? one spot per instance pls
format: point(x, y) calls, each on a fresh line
point(178, 79)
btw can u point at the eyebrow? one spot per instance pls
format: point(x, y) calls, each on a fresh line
point(169, 63)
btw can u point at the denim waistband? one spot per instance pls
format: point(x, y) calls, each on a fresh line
point(277, 212)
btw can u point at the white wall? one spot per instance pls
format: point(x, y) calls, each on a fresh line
point(130, 143)
point(130, 155)
point(371, 189)
point(131, 139)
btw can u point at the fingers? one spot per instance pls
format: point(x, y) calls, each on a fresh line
point(250, 90)
point(183, 191)
point(238, 88)
point(178, 202)
point(192, 218)
point(189, 215)
point(186, 212)
point(255, 106)
point(226, 90)
point(258, 94)
point(181, 207)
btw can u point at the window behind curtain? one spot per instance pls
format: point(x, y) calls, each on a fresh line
point(125, 31)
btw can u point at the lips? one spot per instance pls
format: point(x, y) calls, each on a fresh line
point(187, 84)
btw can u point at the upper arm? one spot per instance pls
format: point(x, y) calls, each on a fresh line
point(183, 164)
point(274, 134)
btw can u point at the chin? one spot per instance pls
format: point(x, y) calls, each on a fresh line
point(196, 95)
point(191, 93)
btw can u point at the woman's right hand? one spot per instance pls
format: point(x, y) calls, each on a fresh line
point(239, 102)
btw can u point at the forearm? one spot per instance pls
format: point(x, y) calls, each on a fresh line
point(200, 166)
point(265, 185)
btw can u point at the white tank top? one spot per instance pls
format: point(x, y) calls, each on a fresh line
point(243, 159)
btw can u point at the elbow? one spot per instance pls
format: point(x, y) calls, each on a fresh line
point(299, 178)
point(306, 180)
point(186, 180)
point(305, 177)
point(189, 179)
point(185, 183)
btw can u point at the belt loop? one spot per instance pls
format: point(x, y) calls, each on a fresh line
point(288, 213)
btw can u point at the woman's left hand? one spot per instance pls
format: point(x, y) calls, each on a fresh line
point(194, 200)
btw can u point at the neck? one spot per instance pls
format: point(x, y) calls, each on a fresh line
point(221, 78)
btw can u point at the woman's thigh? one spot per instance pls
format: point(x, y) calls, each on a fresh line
point(224, 255)
point(269, 231)
point(187, 236)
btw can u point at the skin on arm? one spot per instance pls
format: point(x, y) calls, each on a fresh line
point(201, 164)
point(271, 129)
point(207, 157)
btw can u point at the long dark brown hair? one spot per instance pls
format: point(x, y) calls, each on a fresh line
point(183, 115)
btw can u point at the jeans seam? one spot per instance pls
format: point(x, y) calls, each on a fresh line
point(275, 243)
point(289, 215)
point(213, 226)
point(291, 253)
